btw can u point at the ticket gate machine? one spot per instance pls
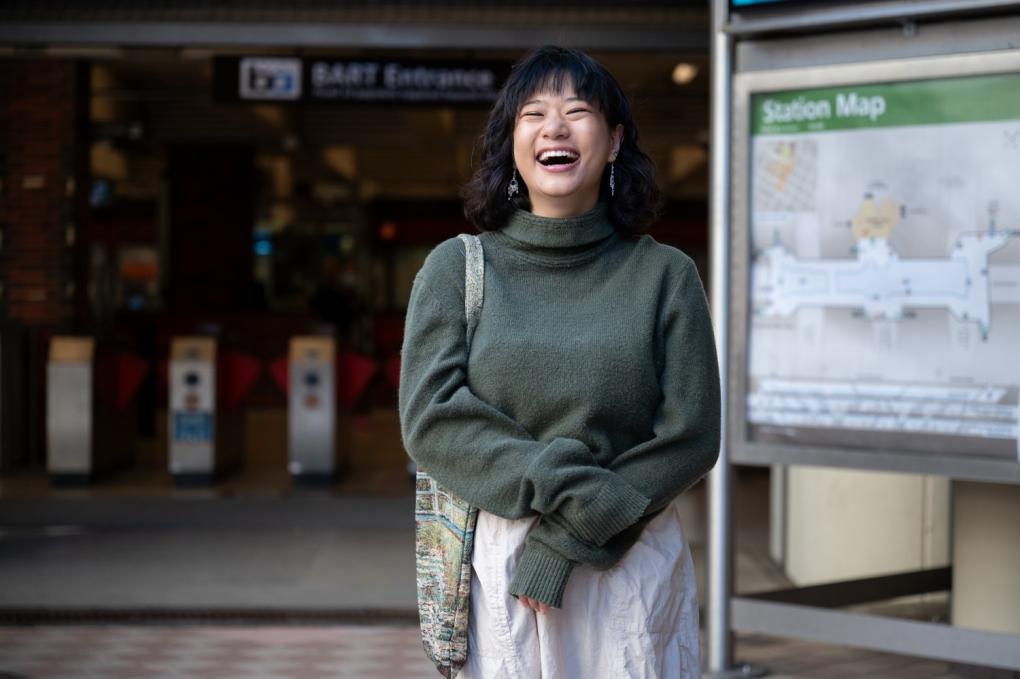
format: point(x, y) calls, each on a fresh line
point(199, 451)
point(311, 421)
point(70, 410)
point(86, 435)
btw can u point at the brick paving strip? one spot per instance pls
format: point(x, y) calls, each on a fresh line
point(299, 651)
point(213, 651)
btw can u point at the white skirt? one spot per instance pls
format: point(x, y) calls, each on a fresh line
point(637, 620)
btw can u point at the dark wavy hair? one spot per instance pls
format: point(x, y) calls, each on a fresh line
point(636, 201)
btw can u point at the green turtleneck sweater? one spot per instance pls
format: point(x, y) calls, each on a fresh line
point(590, 395)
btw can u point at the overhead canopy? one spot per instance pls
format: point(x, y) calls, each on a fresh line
point(592, 24)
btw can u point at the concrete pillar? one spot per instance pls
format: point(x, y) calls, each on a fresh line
point(843, 524)
point(986, 556)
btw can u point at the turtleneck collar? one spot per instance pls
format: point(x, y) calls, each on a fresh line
point(560, 232)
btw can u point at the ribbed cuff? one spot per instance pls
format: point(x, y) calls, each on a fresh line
point(541, 574)
point(616, 507)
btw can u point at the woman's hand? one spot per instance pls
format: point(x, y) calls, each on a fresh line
point(534, 604)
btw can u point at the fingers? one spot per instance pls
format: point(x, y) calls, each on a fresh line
point(534, 604)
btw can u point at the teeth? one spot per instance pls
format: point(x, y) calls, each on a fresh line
point(546, 155)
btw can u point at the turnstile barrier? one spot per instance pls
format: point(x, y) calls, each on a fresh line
point(201, 447)
point(70, 410)
point(311, 420)
point(91, 425)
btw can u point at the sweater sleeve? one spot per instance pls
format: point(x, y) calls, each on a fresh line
point(685, 445)
point(478, 452)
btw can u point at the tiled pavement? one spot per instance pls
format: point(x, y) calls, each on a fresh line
point(199, 652)
point(340, 652)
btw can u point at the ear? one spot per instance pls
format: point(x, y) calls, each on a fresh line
point(615, 139)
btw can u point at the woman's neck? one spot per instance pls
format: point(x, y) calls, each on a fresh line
point(560, 209)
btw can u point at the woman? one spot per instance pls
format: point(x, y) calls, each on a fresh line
point(589, 399)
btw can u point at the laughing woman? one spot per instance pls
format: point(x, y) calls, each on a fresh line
point(589, 398)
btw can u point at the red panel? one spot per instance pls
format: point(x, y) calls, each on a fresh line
point(354, 372)
point(237, 373)
point(131, 370)
point(279, 371)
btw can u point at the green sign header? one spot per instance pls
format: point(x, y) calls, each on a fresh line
point(919, 102)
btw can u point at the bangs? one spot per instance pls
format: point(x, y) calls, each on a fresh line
point(553, 70)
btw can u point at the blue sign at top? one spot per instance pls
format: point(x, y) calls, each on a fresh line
point(751, 3)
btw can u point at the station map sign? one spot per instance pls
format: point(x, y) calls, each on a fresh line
point(356, 80)
point(884, 267)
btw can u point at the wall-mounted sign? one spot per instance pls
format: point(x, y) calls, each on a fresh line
point(880, 305)
point(370, 81)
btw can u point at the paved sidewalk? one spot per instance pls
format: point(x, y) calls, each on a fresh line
point(342, 652)
point(295, 569)
point(306, 550)
point(311, 551)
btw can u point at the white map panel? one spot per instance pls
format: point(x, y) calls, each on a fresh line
point(885, 283)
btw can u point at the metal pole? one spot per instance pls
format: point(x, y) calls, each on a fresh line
point(720, 529)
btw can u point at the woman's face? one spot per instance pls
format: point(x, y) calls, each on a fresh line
point(561, 147)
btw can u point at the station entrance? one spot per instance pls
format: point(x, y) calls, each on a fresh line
point(254, 217)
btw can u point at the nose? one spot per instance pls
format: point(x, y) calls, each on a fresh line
point(555, 126)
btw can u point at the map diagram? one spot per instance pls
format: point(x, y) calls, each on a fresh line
point(877, 281)
point(885, 287)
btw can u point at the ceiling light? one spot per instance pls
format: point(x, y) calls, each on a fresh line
point(684, 73)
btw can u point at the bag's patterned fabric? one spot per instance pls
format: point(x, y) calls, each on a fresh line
point(444, 529)
point(444, 538)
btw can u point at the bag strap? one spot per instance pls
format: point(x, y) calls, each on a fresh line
point(474, 281)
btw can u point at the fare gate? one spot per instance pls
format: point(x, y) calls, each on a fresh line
point(91, 416)
point(70, 410)
point(311, 421)
point(194, 456)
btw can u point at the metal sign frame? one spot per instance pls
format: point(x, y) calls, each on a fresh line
point(807, 17)
point(806, 613)
point(742, 450)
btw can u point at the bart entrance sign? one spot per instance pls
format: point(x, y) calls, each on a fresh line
point(367, 81)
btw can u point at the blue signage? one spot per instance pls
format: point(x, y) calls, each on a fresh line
point(739, 4)
point(193, 427)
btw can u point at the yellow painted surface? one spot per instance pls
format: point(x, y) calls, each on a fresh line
point(65, 349)
point(193, 349)
point(313, 348)
point(876, 218)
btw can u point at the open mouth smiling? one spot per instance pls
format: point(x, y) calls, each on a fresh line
point(558, 159)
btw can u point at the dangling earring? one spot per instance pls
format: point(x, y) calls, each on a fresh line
point(514, 187)
point(612, 179)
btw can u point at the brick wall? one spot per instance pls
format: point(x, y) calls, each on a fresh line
point(40, 154)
